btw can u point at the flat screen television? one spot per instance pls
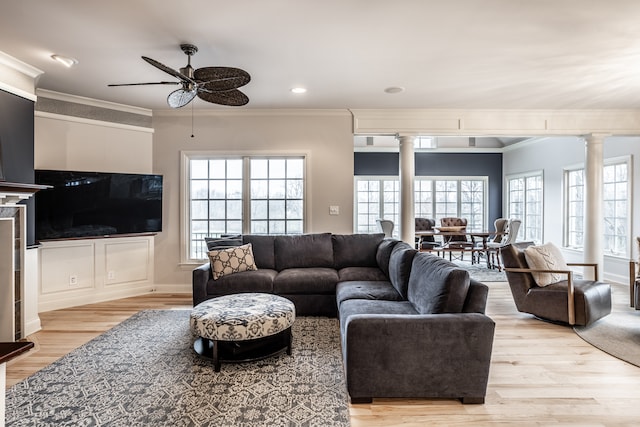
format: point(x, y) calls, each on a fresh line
point(96, 204)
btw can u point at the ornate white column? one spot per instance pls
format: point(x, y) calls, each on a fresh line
point(593, 206)
point(407, 174)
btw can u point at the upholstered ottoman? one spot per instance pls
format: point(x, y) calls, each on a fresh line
point(242, 327)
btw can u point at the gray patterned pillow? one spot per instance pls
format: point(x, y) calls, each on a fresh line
point(231, 260)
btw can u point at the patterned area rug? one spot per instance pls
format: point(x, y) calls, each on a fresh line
point(144, 372)
point(481, 273)
point(618, 333)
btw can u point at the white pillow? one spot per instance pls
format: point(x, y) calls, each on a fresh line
point(546, 257)
point(231, 260)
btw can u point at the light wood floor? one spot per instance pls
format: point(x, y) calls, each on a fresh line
point(541, 374)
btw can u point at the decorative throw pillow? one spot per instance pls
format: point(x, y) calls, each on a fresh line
point(231, 260)
point(546, 257)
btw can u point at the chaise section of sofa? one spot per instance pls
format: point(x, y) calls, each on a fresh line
point(436, 343)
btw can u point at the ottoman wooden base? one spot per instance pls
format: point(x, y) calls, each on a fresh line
point(243, 351)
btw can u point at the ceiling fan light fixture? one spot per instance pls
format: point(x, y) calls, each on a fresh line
point(65, 60)
point(180, 97)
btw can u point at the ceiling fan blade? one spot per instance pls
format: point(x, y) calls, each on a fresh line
point(141, 84)
point(232, 97)
point(221, 78)
point(169, 70)
point(180, 97)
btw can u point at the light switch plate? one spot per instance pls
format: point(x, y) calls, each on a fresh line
point(334, 210)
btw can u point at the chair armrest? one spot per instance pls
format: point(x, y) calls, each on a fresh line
point(586, 264)
point(570, 289)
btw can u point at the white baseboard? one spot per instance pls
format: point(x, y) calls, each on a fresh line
point(32, 326)
point(173, 289)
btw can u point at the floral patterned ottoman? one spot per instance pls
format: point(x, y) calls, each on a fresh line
point(242, 327)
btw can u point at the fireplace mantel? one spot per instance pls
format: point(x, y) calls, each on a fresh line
point(14, 192)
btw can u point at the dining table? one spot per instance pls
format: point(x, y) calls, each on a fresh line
point(446, 232)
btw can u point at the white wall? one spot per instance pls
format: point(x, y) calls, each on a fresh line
point(325, 137)
point(68, 143)
point(552, 155)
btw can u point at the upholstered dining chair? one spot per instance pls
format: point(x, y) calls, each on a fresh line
point(386, 226)
point(425, 243)
point(510, 236)
point(553, 294)
point(460, 242)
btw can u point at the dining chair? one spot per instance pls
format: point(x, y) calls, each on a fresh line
point(510, 236)
point(457, 242)
point(386, 226)
point(426, 243)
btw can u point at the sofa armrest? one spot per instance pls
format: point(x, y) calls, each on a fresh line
point(431, 355)
point(200, 277)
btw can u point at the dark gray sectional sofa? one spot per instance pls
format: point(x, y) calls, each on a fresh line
point(412, 324)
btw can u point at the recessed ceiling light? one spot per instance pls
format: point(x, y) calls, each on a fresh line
point(394, 89)
point(298, 90)
point(65, 60)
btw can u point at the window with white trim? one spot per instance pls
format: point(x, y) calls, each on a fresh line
point(616, 208)
point(525, 202)
point(242, 194)
point(434, 197)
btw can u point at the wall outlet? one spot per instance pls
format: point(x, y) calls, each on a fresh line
point(111, 275)
point(73, 280)
point(334, 210)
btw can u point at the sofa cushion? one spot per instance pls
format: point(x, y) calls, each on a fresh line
point(377, 290)
point(263, 249)
point(231, 260)
point(247, 281)
point(223, 242)
point(361, 273)
point(306, 281)
point(384, 252)
point(437, 285)
point(546, 257)
point(372, 307)
point(303, 250)
point(400, 263)
point(355, 250)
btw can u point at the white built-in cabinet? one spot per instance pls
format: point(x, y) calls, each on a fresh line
point(84, 271)
point(18, 290)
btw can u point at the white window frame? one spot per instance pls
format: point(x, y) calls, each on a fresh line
point(525, 233)
point(185, 192)
point(394, 213)
point(628, 161)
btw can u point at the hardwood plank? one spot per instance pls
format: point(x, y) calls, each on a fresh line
point(541, 373)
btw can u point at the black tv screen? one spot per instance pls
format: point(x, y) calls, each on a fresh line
point(96, 204)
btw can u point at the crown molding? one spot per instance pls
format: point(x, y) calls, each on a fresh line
point(45, 93)
point(92, 122)
point(495, 122)
point(187, 111)
point(19, 66)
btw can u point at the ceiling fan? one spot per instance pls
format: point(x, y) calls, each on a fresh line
point(218, 85)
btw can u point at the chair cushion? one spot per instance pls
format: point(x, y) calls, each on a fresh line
point(231, 260)
point(263, 249)
point(377, 290)
point(546, 257)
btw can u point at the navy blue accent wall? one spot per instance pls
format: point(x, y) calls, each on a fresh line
point(16, 139)
point(441, 164)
